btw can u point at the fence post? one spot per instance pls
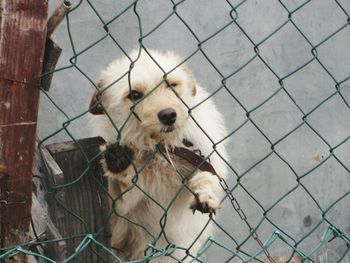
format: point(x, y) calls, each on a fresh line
point(22, 42)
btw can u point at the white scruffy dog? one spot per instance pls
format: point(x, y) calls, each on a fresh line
point(155, 108)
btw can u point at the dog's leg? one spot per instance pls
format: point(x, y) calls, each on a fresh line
point(125, 195)
point(204, 185)
point(116, 164)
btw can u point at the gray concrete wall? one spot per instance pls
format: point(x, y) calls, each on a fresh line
point(304, 149)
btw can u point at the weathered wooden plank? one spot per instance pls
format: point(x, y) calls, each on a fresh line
point(81, 207)
point(44, 227)
point(41, 221)
point(72, 146)
point(22, 41)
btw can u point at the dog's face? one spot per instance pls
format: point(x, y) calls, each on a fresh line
point(145, 104)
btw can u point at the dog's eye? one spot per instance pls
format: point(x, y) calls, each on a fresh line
point(135, 95)
point(173, 85)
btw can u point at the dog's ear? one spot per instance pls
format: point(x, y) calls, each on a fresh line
point(95, 107)
point(192, 80)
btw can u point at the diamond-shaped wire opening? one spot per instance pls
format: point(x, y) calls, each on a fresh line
point(286, 50)
point(338, 213)
point(336, 63)
point(84, 17)
point(234, 114)
point(255, 78)
point(204, 73)
point(335, 182)
point(250, 147)
point(108, 10)
point(319, 247)
point(208, 12)
point(265, 232)
point(342, 151)
point(164, 38)
point(302, 150)
point(335, 117)
point(309, 86)
point(145, 8)
point(297, 214)
point(216, 247)
point(277, 116)
point(230, 227)
point(253, 18)
point(117, 29)
point(269, 181)
point(325, 14)
point(228, 60)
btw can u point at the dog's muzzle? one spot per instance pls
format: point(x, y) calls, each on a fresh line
point(167, 117)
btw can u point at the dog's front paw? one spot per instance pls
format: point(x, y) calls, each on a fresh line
point(205, 203)
point(118, 158)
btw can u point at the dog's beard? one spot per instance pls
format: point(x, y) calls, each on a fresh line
point(167, 129)
point(167, 134)
point(164, 133)
point(149, 133)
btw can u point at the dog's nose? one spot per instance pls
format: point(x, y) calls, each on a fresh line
point(167, 116)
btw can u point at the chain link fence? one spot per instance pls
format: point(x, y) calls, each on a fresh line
point(280, 72)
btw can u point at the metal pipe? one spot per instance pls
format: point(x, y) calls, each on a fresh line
point(57, 17)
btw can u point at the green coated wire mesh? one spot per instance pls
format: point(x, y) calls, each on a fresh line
point(325, 232)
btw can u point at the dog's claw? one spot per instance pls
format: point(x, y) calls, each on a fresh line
point(205, 205)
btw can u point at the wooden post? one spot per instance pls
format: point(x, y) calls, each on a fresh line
point(22, 42)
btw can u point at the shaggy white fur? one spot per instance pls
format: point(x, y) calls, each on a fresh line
point(166, 204)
